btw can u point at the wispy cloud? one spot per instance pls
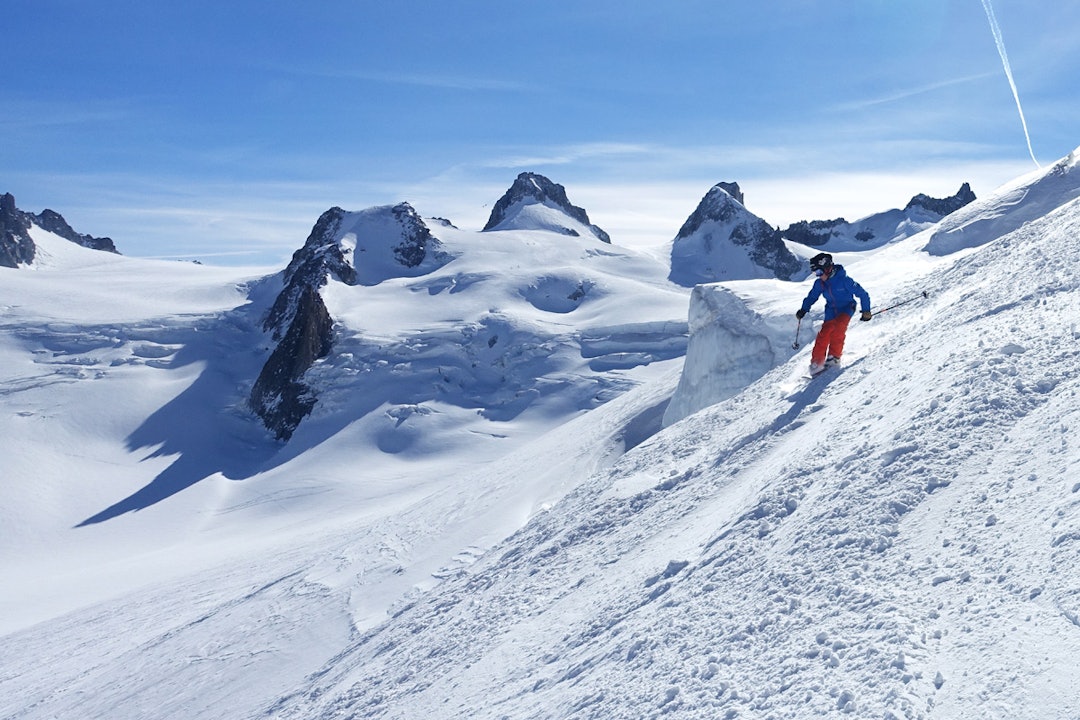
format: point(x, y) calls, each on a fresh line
point(565, 155)
point(17, 114)
point(908, 93)
point(448, 82)
point(421, 79)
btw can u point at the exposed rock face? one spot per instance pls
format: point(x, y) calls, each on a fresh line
point(416, 238)
point(943, 206)
point(818, 232)
point(361, 248)
point(55, 223)
point(279, 396)
point(534, 189)
point(299, 320)
point(880, 228)
point(733, 190)
point(321, 256)
point(722, 240)
point(16, 246)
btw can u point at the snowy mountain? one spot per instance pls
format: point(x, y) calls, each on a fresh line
point(362, 248)
point(839, 235)
point(490, 323)
point(483, 517)
point(17, 247)
point(722, 240)
point(534, 202)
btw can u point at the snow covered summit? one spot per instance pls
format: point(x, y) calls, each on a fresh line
point(461, 319)
point(534, 202)
point(722, 240)
point(362, 248)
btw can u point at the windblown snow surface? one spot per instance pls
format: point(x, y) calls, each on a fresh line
point(895, 539)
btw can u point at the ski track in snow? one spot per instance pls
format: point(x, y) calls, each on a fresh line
point(884, 545)
point(896, 540)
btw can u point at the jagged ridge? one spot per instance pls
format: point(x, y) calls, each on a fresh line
point(880, 228)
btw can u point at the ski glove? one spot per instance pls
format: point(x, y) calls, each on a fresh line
point(866, 315)
point(800, 313)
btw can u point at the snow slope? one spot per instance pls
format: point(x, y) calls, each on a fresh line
point(1027, 198)
point(143, 502)
point(897, 539)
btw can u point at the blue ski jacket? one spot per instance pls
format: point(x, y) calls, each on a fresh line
point(840, 292)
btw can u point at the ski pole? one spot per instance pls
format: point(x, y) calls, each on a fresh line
point(923, 294)
point(795, 345)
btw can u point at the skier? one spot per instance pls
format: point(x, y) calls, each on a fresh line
point(840, 292)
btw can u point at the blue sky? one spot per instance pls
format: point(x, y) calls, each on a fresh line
point(221, 130)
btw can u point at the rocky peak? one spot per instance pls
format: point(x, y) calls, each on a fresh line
point(322, 252)
point(361, 248)
point(718, 205)
point(722, 240)
point(733, 190)
point(320, 257)
point(416, 238)
point(16, 246)
point(535, 189)
point(357, 248)
point(55, 223)
point(943, 206)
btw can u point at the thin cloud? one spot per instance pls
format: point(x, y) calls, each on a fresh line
point(566, 155)
point(908, 93)
point(420, 79)
point(447, 82)
point(17, 114)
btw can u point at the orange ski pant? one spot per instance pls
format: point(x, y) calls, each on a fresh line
point(830, 339)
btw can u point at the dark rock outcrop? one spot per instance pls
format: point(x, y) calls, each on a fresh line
point(361, 248)
point(55, 223)
point(16, 246)
point(390, 241)
point(416, 239)
point(722, 240)
point(880, 228)
point(280, 397)
point(814, 232)
point(300, 322)
point(320, 257)
point(943, 206)
point(733, 190)
point(532, 189)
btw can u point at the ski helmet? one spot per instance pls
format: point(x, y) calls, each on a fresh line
point(821, 261)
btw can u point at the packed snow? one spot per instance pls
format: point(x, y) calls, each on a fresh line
point(894, 539)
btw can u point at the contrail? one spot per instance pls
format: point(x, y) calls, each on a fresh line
point(1008, 71)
